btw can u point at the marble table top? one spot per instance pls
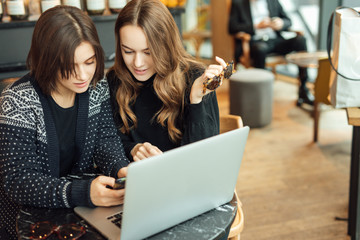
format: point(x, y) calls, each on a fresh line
point(210, 225)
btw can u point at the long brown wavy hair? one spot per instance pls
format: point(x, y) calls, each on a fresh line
point(172, 64)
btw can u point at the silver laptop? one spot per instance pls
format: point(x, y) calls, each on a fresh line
point(168, 189)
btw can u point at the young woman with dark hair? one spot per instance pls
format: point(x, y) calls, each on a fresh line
point(156, 86)
point(56, 121)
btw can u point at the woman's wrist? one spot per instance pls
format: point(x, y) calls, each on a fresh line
point(195, 99)
point(196, 95)
point(122, 172)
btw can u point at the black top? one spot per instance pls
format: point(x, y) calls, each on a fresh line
point(65, 125)
point(198, 122)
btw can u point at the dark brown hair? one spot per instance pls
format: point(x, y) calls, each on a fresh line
point(57, 34)
point(171, 60)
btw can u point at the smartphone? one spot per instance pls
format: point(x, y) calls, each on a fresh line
point(120, 183)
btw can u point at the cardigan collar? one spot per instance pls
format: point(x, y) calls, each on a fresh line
point(52, 138)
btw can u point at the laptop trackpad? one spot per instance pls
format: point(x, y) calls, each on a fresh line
point(107, 220)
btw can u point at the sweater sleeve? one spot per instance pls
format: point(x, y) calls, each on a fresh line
point(238, 21)
point(109, 147)
point(200, 120)
point(281, 14)
point(24, 165)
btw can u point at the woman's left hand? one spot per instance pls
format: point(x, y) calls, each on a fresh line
point(144, 150)
point(197, 88)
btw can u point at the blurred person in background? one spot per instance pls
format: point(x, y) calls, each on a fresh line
point(264, 20)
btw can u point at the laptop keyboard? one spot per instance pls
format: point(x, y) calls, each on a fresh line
point(116, 219)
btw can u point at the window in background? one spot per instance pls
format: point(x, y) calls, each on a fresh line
point(351, 3)
point(196, 31)
point(304, 15)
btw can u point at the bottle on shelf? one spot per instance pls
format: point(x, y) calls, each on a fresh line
point(75, 3)
point(181, 3)
point(115, 6)
point(172, 3)
point(46, 4)
point(17, 9)
point(95, 7)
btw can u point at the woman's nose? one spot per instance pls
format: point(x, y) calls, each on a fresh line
point(81, 73)
point(138, 61)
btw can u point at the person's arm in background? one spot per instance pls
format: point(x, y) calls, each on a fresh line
point(280, 19)
point(240, 18)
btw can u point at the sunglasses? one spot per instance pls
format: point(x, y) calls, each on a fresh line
point(42, 230)
point(216, 81)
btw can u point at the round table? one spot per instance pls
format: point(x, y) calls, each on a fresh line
point(306, 59)
point(213, 224)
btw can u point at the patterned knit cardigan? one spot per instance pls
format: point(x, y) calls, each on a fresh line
point(29, 152)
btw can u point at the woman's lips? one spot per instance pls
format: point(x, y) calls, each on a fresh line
point(81, 85)
point(140, 72)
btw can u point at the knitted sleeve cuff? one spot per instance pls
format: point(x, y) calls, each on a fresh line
point(196, 112)
point(115, 169)
point(80, 193)
point(128, 147)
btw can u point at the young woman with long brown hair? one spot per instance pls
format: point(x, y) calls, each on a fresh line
point(57, 121)
point(156, 86)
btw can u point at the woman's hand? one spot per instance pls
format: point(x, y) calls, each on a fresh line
point(197, 88)
point(122, 172)
point(144, 150)
point(140, 152)
point(100, 195)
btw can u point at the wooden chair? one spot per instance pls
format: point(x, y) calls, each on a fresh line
point(5, 82)
point(321, 91)
point(228, 123)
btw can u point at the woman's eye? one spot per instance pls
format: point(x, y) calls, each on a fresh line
point(147, 53)
point(127, 52)
point(89, 63)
